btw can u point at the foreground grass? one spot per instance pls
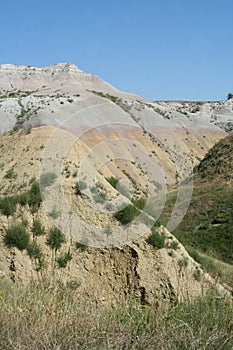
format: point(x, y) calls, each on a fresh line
point(45, 316)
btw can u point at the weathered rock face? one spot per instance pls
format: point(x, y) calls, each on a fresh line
point(59, 77)
point(136, 270)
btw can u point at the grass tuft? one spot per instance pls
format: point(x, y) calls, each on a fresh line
point(47, 315)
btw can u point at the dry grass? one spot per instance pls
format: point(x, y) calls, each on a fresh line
point(52, 316)
point(218, 269)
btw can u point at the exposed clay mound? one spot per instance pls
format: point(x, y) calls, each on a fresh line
point(138, 270)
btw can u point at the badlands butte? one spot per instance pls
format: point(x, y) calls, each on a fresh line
point(108, 150)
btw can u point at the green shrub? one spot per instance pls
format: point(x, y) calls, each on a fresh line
point(63, 259)
point(34, 197)
point(139, 203)
point(94, 189)
point(8, 205)
point(82, 245)
point(34, 250)
point(31, 197)
point(55, 238)
point(113, 181)
point(157, 223)
point(37, 228)
point(186, 261)
point(17, 236)
point(23, 198)
point(128, 214)
point(194, 254)
point(10, 174)
point(156, 240)
point(171, 253)
point(82, 185)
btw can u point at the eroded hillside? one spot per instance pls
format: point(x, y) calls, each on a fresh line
point(151, 267)
point(84, 170)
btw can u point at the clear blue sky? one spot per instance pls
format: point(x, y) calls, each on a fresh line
point(171, 49)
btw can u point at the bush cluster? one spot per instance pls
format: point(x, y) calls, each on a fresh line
point(63, 259)
point(127, 215)
point(55, 238)
point(156, 240)
point(32, 197)
point(16, 236)
point(113, 181)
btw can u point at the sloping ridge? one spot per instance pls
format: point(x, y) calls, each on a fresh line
point(218, 162)
point(207, 229)
point(57, 77)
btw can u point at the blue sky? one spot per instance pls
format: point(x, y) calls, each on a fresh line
point(158, 49)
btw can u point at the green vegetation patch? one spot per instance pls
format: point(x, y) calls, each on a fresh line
point(208, 224)
point(55, 238)
point(32, 197)
point(17, 236)
point(127, 215)
point(63, 259)
point(34, 250)
point(156, 239)
point(8, 205)
point(37, 228)
point(113, 181)
point(10, 174)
